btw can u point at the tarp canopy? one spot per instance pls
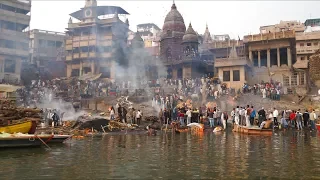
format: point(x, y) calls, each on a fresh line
point(90, 77)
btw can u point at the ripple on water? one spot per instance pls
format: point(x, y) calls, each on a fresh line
point(293, 155)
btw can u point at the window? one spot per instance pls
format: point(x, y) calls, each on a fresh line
point(226, 76)
point(42, 43)
point(315, 44)
point(58, 44)
point(301, 44)
point(303, 58)
point(294, 79)
point(301, 78)
point(9, 66)
point(236, 75)
point(10, 44)
point(51, 43)
point(308, 44)
point(286, 81)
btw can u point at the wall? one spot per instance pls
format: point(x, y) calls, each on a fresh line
point(233, 84)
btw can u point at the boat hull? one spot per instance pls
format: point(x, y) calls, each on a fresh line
point(56, 139)
point(252, 130)
point(22, 127)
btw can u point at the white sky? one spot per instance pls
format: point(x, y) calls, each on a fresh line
point(223, 17)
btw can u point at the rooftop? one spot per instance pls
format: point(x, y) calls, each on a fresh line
point(146, 25)
point(269, 36)
point(47, 32)
point(101, 10)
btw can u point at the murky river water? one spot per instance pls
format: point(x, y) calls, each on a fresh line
point(290, 155)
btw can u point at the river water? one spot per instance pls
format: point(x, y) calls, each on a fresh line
point(226, 155)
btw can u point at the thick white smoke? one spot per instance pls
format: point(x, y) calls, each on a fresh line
point(49, 102)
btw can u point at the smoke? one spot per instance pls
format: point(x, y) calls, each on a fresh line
point(48, 102)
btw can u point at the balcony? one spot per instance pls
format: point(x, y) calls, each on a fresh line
point(92, 43)
point(68, 47)
point(106, 55)
point(92, 54)
point(105, 43)
point(307, 50)
point(14, 52)
point(14, 35)
point(69, 58)
point(227, 62)
point(84, 55)
point(69, 41)
point(269, 36)
point(308, 36)
point(21, 4)
point(14, 17)
point(84, 43)
point(76, 55)
point(76, 44)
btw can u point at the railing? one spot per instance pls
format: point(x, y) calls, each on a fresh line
point(25, 1)
point(225, 62)
point(269, 36)
point(47, 32)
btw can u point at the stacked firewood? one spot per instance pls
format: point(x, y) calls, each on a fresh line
point(9, 111)
point(151, 118)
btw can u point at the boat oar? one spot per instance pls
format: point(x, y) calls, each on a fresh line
point(43, 142)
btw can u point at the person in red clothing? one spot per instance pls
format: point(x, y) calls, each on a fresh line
point(292, 118)
point(181, 118)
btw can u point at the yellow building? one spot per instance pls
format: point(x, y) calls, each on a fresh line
point(14, 22)
point(233, 70)
point(91, 43)
point(273, 56)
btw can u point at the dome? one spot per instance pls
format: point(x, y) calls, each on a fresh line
point(174, 21)
point(190, 36)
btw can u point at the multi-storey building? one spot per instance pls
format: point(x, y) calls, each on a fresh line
point(47, 48)
point(273, 56)
point(283, 26)
point(94, 45)
point(149, 33)
point(14, 22)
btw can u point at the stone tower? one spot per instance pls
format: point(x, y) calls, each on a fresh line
point(190, 43)
point(90, 11)
point(171, 37)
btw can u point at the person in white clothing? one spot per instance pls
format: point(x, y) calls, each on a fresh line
point(188, 113)
point(236, 115)
point(275, 116)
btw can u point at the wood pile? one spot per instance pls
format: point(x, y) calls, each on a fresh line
point(151, 118)
point(314, 64)
point(9, 111)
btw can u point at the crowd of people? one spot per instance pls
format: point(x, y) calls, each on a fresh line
point(294, 119)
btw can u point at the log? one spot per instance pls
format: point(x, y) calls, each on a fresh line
point(9, 118)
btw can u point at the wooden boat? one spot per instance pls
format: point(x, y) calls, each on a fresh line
point(56, 138)
point(181, 130)
point(22, 141)
point(252, 130)
point(20, 127)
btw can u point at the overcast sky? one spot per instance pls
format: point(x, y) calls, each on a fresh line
point(223, 17)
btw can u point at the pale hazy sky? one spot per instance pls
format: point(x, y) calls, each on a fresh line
point(223, 17)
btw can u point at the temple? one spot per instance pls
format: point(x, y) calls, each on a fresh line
point(179, 48)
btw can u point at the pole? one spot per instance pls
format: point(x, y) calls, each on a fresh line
point(43, 141)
